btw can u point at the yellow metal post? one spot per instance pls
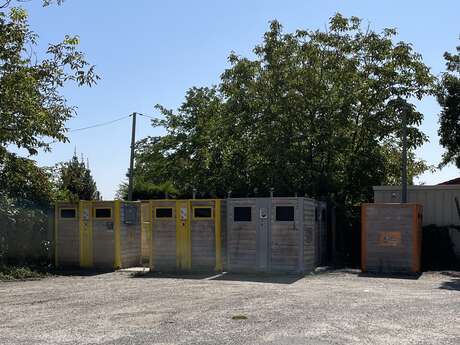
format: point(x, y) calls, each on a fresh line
point(179, 232)
point(86, 234)
point(188, 238)
point(218, 235)
point(81, 227)
point(117, 224)
point(150, 238)
point(56, 260)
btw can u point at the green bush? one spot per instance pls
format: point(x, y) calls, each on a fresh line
point(8, 273)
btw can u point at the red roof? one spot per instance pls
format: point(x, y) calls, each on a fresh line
point(454, 181)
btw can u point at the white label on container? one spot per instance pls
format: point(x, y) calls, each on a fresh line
point(86, 214)
point(183, 213)
point(263, 213)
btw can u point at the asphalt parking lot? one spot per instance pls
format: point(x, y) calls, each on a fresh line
point(339, 307)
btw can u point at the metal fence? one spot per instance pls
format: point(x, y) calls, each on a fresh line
point(25, 235)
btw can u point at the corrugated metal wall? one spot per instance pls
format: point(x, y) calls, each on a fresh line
point(439, 205)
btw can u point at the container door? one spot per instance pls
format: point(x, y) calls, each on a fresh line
point(204, 231)
point(164, 248)
point(263, 234)
point(86, 234)
point(183, 243)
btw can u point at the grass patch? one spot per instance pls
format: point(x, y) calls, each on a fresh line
point(11, 273)
point(239, 317)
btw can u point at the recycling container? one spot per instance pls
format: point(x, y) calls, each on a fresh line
point(276, 234)
point(391, 237)
point(97, 234)
point(186, 235)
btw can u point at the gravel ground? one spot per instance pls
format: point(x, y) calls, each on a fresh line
point(339, 307)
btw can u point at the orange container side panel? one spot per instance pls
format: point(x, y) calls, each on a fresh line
point(391, 237)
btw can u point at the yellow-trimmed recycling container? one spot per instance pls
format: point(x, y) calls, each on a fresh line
point(186, 235)
point(97, 234)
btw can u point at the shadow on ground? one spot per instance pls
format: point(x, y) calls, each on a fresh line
point(413, 276)
point(453, 283)
point(173, 275)
point(454, 274)
point(255, 278)
point(68, 272)
point(259, 278)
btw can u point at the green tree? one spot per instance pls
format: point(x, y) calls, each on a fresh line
point(33, 113)
point(144, 190)
point(449, 119)
point(74, 181)
point(315, 112)
point(32, 108)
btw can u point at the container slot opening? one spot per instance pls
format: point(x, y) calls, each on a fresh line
point(103, 212)
point(285, 213)
point(242, 214)
point(163, 212)
point(68, 213)
point(202, 212)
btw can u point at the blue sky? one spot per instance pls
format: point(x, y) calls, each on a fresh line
point(150, 52)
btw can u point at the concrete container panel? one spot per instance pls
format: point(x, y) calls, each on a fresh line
point(97, 236)
point(186, 235)
point(278, 237)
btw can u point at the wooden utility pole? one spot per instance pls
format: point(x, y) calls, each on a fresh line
point(131, 159)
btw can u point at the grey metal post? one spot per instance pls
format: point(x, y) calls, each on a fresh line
point(299, 222)
point(229, 229)
point(131, 159)
point(404, 159)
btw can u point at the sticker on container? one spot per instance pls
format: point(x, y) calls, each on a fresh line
point(86, 214)
point(390, 238)
point(183, 213)
point(263, 213)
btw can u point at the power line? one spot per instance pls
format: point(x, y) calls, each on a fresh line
point(92, 126)
point(109, 122)
point(150, 117)
point(99, 124)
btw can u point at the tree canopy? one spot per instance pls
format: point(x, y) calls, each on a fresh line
point(449, 100)
point(33, 111)
point(315, 112)
point(73, 181)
